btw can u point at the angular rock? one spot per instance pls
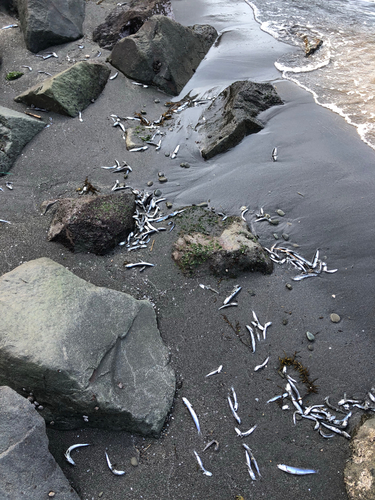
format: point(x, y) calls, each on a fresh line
point(27, 469)
point(132, 139)
point(70, 91)
point(233, 252)
point(92, 357)
point(163, 53)
point(127, 19)
point(50, 22)
point(359, 472)
point(233, 115)
point(16, 130)
point(93, 224)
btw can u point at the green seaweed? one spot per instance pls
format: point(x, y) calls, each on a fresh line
point(13, 75)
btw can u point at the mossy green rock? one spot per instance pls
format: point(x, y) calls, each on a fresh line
point(70, 91)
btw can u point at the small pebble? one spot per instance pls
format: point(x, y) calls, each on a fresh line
point(150, 183)
point(203, 204)
point(276, 236)
point(162, 179)
point(143, 112)
point(310, 347)
point(157, 192)
point(184, 164)
point(285, 236)
point(285, 321)
point(51, 494)
point(157, 101)
point(274, 222)
point(169, 204)
point(335, 318)
point(280, 212)
point(166, 154)
point(100, 494)
point(289, 286)
point(310, 336)
point(161, 174)
point(134, 461)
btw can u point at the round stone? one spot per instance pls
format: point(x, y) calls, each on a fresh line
point(184, 164)
point(157, 192)
point(169, 204)
point(280, 212)
point(157, 101)
point(285, 321)
point(166, 154)
point(274, 222)
point(150, 183)
point(276, 236)
point(134, 461)
point(335, 318)
point(289, 286)
point(310, 336)
point(162, 179)
point(310, 347)
point(285, 236)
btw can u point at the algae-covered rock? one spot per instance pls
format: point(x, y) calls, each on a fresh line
point(70, 91)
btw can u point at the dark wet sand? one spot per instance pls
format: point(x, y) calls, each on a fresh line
point(320, 157)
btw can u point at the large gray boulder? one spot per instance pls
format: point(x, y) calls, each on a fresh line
point(16, 130)
point(50, 22)
point(126, 20)
point(163, 53)
point(233, 115)
point(70, 91)
point(359, 472)
point(27, 468)
point(91, 356)
point(93, 223)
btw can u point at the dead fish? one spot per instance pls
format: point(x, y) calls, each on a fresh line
point(262, 365)
point(5, 221)
point(45, 73)
point(251, 331)
point(114, 76)
point(248, 463)
point(9, 26)
point(295, 470)
point(274, 154)
point(70, 449)
point(134, 150)
point(243, 213)
point(218, 370)
point(269, 323)
point(205, 472)
point(231, 304)
point(336, 431)
point(245, 434)
point(80, 116)
point(252, 458)
point(233, 410)
point(207, 287)
point(114, 471)
point(28, 67)
point(174, 154)
point(330, 271)
point(129, 266)
point(193, 414)
point(216, 443)
point(235, 291)
point(303, 276)
point(235, 402)
point(9, 185)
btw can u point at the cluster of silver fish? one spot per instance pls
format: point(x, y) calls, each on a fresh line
point(308, 268)
point(9, 185)
point(72, 462)
point(261, 330)
point(227, 302)
point(322, 416)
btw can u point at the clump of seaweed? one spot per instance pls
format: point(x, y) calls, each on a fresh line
point(13, 75)
point(302, 371)
point(87, 188)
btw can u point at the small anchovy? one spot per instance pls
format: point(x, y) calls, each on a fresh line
point(265, 329)
point(70, 449)
point(262, 365)
point(233, 410)
point(303, 276)
point(248, 463)
point(228, 305)
point(207, 287)
point(98, 54)
point(326, 436)
point(235, 291)
point(114, 471)
point(216, 443)
point(28, 67)
point(9, 26)
point(45, 73)
point(345, 400)
point(243, 213)
point(274, 154)
point(174, 154)
point(80, 116)
point(205, 472)
point(215, 371)
point(158, 146)
point(295, 470)
point(252, 458)
point(251, 331)
point(247, 433)
point(114, 76)
point(134, 150)
point(275, 398)
point(137, 83)
point(5, 221)
point(132, 118)
point(193, 414)
point(330, 271)
point(9, 185)
point(337, 431)
point(235, 405)
point(129, 266)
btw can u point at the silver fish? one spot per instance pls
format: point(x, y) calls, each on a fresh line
point(80, 116)
point(336, 431)
point(207, 287)
point(216, 443)
point(295, 470)
point(235, 405)
point(326, 436)
point(262, 365)
point(205, 472)
point(231, 304)
point(247, 433)
point(218, 370)
point(193, 414)
point(303, 276)
point(9, 26)
point(252, 458)
point(243, 213)
point(70, 449)
point(129, 266)
point(269, 323)
point(28, 67)
point(248, 463)
point(251, 331)
point(174, 154)
point(274, 154)
point(5, 221)
point(9, 185)
point(114, 471)
point(45, 73)
point(275, 398)
point(233, 410)
point(235, 291)
point(134, 150)
point(114, 76)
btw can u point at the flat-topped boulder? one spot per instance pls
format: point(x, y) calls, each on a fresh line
point(91, 356)
point(233, 115)
point(163, 53)
point(16, 130)
point(27, 468)
point(50, 22)
point(70, 91)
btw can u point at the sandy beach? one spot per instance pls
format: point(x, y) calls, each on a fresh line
point(323, 181)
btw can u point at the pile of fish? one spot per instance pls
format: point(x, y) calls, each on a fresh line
point(309, 268)
point(251, 463)
point(72, 462)
point(261, 330)
point(322, 416)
